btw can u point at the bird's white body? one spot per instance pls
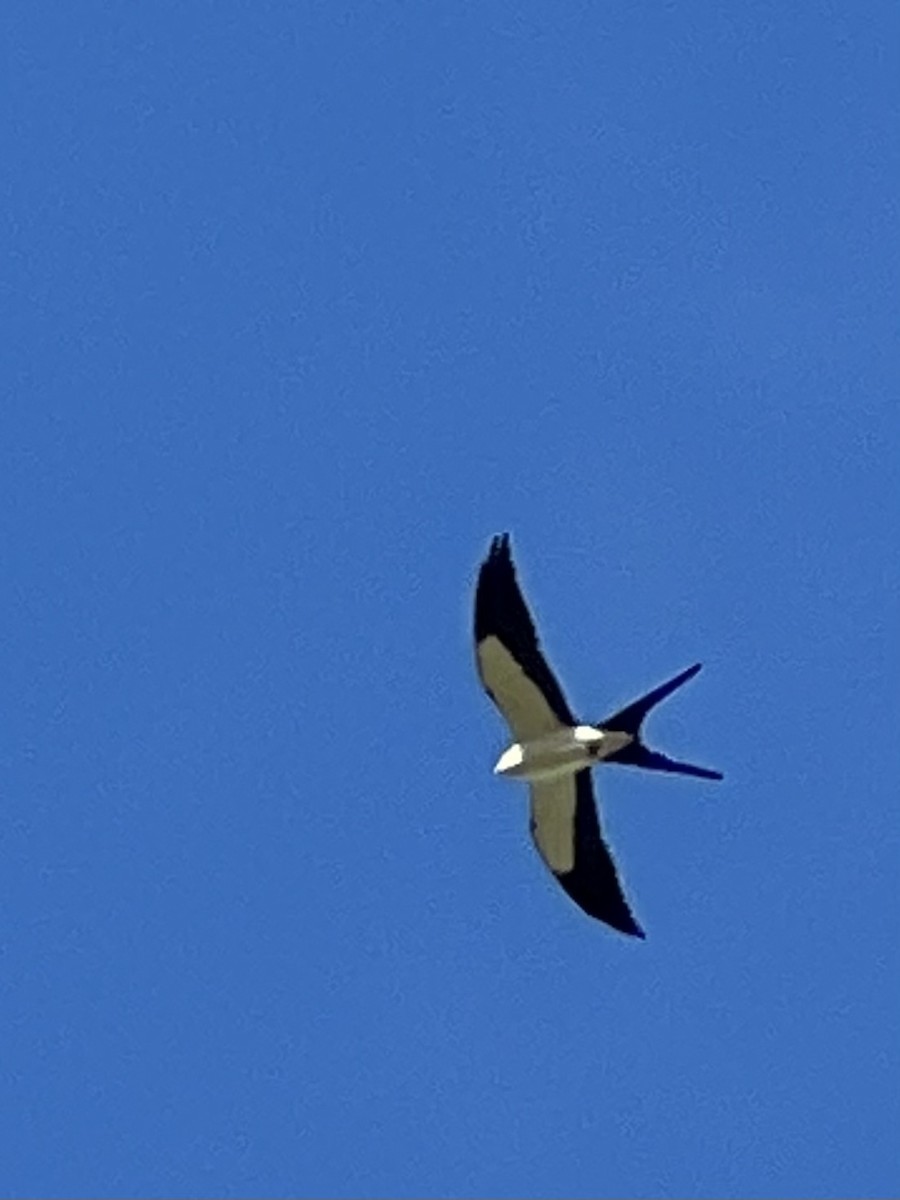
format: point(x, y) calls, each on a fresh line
point(560, 753)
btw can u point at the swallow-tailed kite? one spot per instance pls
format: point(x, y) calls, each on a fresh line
point(552, 751)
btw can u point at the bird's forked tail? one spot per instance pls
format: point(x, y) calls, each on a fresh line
point(630, 719)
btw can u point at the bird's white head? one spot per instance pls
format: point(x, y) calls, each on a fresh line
point(510, 761)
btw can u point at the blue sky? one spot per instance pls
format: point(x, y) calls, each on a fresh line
point(301, 303)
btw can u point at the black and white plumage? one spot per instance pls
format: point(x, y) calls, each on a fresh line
point(552, 751)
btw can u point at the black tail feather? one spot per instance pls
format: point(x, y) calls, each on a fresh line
point(637, 755)
point(630, 719)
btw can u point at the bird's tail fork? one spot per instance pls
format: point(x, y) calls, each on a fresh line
point(630, 719)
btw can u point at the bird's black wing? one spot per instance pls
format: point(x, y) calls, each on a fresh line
point(512, 668)
point(566, 831)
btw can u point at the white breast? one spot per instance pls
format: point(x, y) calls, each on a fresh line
point(552, 755)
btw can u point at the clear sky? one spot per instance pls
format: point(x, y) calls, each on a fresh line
point(301, 303)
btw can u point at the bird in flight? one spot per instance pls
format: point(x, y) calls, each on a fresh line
point(552, 751)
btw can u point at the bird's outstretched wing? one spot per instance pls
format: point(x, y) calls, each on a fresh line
point(566, 831)
point(510, 663)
